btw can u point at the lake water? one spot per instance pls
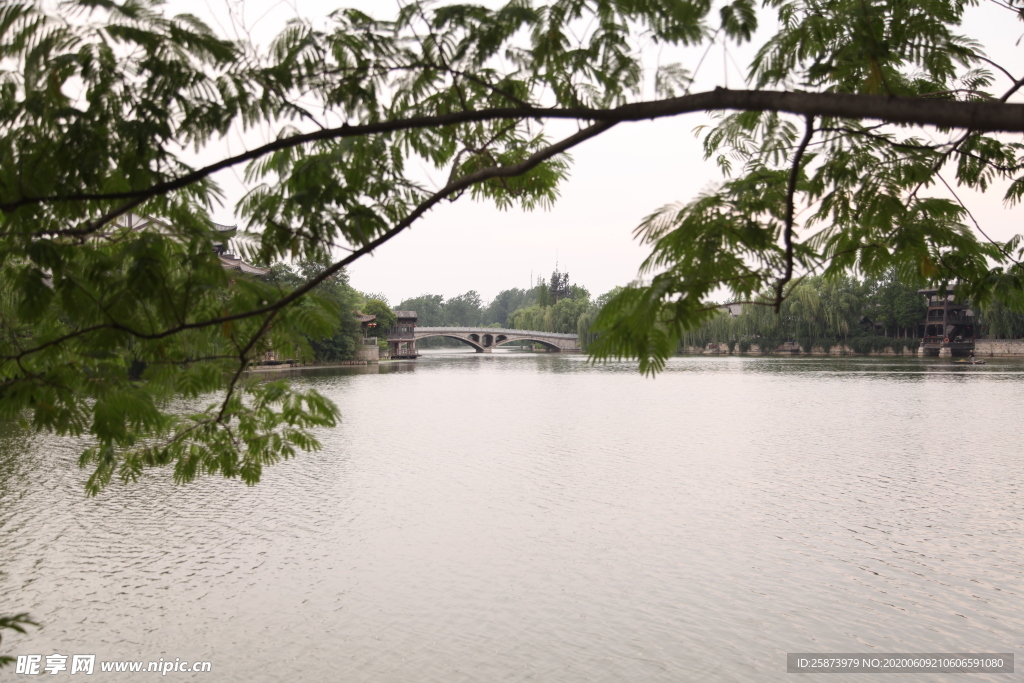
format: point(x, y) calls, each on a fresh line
point(531, 517)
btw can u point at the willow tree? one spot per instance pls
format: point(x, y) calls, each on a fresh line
point(105, 105)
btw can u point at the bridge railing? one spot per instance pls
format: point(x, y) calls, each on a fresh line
point(494, 331)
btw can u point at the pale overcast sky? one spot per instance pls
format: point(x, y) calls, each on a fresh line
point(616, 180)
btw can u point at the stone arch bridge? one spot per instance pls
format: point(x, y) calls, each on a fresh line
point(485, 339)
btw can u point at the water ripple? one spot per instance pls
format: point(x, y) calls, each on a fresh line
point(526, 516)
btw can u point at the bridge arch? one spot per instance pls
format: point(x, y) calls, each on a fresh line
point(486, 339)
point(546, 344)
point(464, 339)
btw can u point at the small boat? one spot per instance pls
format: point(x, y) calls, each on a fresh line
point(970, 361)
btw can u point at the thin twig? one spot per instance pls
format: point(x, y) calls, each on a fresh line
point(974, 220)
point(1017, 84)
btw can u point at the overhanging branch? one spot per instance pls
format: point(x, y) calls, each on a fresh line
point(975, 116)
point(787, 234)
point(453, 187)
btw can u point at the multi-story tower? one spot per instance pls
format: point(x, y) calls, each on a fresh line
point(949, 328)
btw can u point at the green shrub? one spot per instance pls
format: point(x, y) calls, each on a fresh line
point(865, 345)
point(768, 344)
point(861, 345)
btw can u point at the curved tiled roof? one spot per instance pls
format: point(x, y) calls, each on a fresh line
point(238, 264)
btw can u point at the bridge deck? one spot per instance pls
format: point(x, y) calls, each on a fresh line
point(483, 339)
point(493, 330)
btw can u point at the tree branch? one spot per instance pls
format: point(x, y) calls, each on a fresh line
point(451, 188)
point(787, 235)
point(975, 116)
point(937, 166)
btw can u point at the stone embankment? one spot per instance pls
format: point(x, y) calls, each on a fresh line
point(368, 354)
point(292, 368)
point(999, 347)
point(982, 347)
point(788, 349)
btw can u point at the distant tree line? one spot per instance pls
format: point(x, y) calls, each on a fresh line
point(346, 335)
point(552, 305)
point(865, 314)
point(999, 322)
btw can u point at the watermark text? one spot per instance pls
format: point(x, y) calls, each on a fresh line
point(35, 665)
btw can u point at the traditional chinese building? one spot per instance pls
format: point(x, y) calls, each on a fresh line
point(402, 337)
point(733, 309)
point(949, 328)
point(228, 260)
point(136, 222)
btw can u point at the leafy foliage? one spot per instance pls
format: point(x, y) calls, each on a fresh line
point(827, 195)
point(105, 324)
point(16, 623)
point(464, 310)
point(386, 318)
point(560, 307)
point(503, 304)
point(430, 309)
point(126, 329)
point(1000, 321)
point(340, 344)
point(129, 331)
point(821, 313)
point(101, 338)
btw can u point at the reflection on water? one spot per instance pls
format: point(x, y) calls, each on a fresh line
point(517, 516)
point(385, 368)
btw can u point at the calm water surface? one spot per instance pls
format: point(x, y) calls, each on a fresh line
point(522, 517)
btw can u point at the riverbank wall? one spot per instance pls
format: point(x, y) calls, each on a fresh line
point(790, 349)
point(999, 347)
point(982, 347)
point(287, 368)
point(368, 354)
